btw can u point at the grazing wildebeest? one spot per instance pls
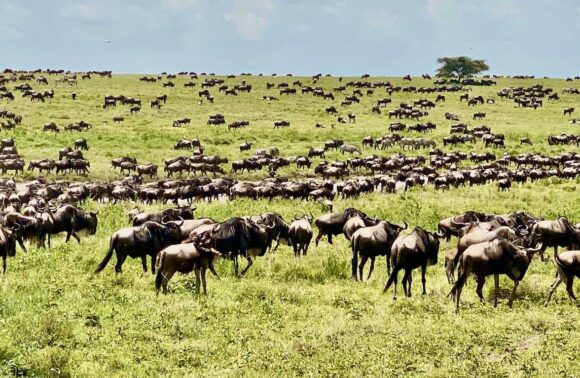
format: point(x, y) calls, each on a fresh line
point(568, 267)
point(417, 250)
point(184, 258)
point(569, 111)
point(495, 257)
point(81, 144)
point(141, 241)
point(373, 241)
point(171, 214)
point(332, 224)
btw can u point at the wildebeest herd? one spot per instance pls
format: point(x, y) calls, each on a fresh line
point(487, 245)
point(178, 242)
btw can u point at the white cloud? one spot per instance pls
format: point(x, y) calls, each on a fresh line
point(250, 17)
point(443, 10)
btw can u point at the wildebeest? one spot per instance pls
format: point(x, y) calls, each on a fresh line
point(7, 244)
point(556, 233)
point(332, 224)
point(184, 258)
point(417, 250)
point(72, 220)
point(300, 235)
point(373, 241)
point(240, 237)
point(141, 241)
point(495, 257)
point(171, 214)
point(568, 267)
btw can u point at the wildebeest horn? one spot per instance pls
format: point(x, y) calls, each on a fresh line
point(406, 225)
point(311, 216)
point(440, 234)
point(296, 217)
point(457, 224)
point(533, 250)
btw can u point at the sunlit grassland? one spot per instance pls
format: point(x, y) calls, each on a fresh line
point(288, 316)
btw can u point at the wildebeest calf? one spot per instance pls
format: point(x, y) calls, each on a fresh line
point(184, 258)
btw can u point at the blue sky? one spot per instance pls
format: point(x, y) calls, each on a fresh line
point(342, 37)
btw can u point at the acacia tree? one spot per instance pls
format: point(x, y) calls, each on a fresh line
point(460, 66)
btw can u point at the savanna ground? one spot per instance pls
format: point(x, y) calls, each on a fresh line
point(287, 316)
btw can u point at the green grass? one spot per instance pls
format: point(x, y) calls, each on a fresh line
point(288, 316)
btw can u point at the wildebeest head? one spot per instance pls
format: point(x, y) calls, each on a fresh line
point(86, 221)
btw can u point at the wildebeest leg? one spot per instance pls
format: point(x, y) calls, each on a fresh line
point(318, 237)
point(250, 263)
point(144, 263)
point(153, 261)
point(423, 280)
point(496, 288)
point(306, 245)
point(553, 288)
point(371, 268)
point(49, 239)
point(458, 295)
point(197, 280)
point(570, 286)
point(212, 270)
point(203, 282)
point(295, 248)
point(4, 264)
point(361, 267)
point(21, 243)
point(542, 250)
point(388, 265)
point(120, 260)
point(74, 235)
point(329, 238)
point(409, 274)
point(404, 283)
point(236, 266)
point(354, 263)
point(511, 301)
point(480, 283)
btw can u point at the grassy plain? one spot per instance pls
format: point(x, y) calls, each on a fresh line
point(288, 317)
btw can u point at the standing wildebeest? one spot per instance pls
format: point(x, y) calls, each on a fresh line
point(300, 235)
point(71, 220)
point(568, 266)
point(370, 242)
point(418, 249)
point(556, 233)
point(81, 144)
point(495, 257)
point(332, 224)
point(7, 244)
point(240, 237)
point(184, 258)
point(172, 214)
point(141, 241)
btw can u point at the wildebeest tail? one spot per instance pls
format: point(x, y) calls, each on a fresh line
point(391, 278)
point(108, 256)
point(460, 282)
point(159, 268)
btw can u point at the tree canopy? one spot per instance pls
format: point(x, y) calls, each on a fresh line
point(460, 66)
